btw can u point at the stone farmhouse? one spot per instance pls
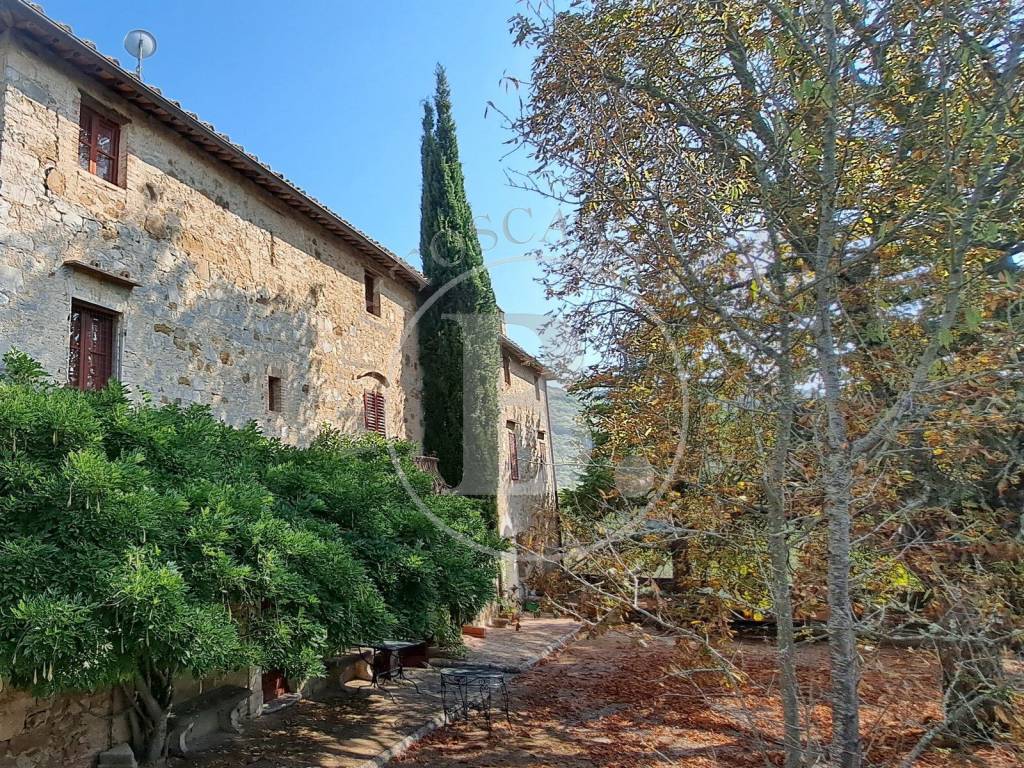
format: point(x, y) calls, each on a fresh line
point(138, 243)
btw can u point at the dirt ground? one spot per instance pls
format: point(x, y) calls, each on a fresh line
point(622, 701)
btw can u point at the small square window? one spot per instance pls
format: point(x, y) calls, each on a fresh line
point(274, 398)
point(99, 141)
point(371, 294)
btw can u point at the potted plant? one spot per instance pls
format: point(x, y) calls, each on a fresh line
point(508, 612)
point(504, 612)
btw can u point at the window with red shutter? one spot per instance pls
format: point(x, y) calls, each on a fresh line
point(513, 453)
point(98, 144)
point(379, 408)
point(91, 350)
point(369, 418)
point(374, 412)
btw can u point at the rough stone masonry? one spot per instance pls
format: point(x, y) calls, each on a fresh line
point(230, 287)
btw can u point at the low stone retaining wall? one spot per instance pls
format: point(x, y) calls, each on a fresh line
point(69, 731)
point(65, 731)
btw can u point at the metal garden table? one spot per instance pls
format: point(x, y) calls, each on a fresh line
point(387, 664)
point(473, 689)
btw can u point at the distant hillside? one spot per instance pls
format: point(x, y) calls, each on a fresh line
point(572, 441)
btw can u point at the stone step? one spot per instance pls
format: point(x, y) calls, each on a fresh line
point(218, 711)
point(120, 756)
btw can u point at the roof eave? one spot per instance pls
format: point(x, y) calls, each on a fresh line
point(59, 39)
point(525, 357)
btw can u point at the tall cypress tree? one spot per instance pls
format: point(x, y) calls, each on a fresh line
point(459, 347)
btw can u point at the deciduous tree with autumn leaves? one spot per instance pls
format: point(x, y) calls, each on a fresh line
point(795, 252)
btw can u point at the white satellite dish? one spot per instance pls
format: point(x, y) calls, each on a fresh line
point(140, 44)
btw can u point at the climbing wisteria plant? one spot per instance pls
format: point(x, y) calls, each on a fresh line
point(141, 544)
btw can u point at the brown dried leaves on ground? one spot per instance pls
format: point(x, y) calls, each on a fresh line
point(620, 701)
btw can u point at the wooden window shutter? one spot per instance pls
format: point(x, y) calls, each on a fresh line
point(513, 456)
point(369, 419)
point(91, 350)
point(379, 409)
point(98, 145)
point(371, 294)
point(374, 415)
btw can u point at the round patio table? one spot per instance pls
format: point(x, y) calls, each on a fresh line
point(468, 689)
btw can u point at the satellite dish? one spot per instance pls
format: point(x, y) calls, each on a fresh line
point(140, 44)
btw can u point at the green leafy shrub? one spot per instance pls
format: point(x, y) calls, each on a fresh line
point(140, 543)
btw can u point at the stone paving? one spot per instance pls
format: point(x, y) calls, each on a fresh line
point(359, 726)
point(517, 651)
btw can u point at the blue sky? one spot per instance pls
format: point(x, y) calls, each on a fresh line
point(329, 94)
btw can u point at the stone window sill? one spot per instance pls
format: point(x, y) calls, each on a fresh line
point(92, 178)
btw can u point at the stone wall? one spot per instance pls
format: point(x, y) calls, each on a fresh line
point(526, 507)
point(68, 731)
point(65, 731)
point(232, 286)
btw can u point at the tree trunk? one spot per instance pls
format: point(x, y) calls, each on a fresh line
point(846, 747)
point(785, 639)
point(154, 692)
point(845, 750)
point(157, 747)
point(779, 552)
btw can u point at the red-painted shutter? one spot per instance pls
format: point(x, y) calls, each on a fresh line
point(373, 412)
point(513, 456)
point(98, 140)
point(91, 351)
point(75, 351)
point(379, 408)
point(368, 415)
point(371, 295)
